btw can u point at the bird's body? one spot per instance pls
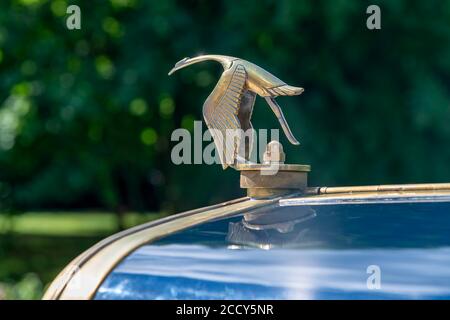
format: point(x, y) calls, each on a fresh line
point(230, 104)
point(262, 82)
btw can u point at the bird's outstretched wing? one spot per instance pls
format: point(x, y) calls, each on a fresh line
point(245, 115)
point(221, 113)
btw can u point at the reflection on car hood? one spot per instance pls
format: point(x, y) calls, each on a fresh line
point(201, 272)
point(297, 252)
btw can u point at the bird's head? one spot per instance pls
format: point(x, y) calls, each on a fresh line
point(181, 64)
point(224, 60)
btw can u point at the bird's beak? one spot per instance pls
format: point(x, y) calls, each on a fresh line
point(172, 71)
point(180, 64)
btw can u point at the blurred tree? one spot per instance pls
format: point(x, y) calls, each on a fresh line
point(86, 115)
point(28, 288)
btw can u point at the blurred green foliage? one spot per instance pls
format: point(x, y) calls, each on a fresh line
point(86, 115)
point(70, 224)
point(36, 246)
point(28, 288)
point(28, 263)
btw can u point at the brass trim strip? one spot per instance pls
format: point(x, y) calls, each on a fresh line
point(82, 277)
point(271, 167)
point(369, 194)
point(385, 188)
point(369, 197)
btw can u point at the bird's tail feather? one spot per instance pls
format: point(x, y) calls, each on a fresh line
point(285, 90)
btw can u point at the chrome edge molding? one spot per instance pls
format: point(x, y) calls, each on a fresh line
point(82, 277)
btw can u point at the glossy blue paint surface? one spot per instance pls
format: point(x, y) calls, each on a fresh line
point(297, 252)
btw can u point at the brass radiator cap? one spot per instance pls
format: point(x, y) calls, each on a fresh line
point(273, 177)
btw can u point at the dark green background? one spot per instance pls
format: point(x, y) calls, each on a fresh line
point(86, 116)
point(95, 108)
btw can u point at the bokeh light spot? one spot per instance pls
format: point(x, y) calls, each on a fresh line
point(59, 7)
point(28, 68)
point(112, 27)
point(187, 122)
point(104, 66)
point(167, 107)
point(138, 107)
point(149, 136)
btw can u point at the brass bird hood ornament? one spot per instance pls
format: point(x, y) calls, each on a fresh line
point(230, 104)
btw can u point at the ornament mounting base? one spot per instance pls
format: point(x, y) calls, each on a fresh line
point(273, 177)
point(269, 180)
